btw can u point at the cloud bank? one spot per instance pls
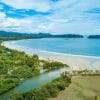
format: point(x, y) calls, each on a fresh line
point(50, 16)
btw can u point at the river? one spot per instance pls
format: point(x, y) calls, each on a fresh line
point(34, 82)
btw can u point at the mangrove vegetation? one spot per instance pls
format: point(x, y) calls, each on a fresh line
point(46, 91)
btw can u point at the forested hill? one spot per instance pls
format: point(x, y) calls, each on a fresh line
point(15, 35)
point(94, 36)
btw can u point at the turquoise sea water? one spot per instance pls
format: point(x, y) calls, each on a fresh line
point(84, 46)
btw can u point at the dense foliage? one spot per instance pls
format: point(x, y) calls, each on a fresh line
point(15, 67)
point(47, 91)
point(53, 65)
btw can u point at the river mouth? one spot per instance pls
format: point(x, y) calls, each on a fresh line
point(34, 82)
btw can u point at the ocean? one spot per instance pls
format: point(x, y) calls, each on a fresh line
point(74, 46)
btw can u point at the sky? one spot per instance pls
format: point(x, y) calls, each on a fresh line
point(50, 16)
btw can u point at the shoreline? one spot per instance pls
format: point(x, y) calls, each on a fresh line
point(76, 62)
point(6, 44)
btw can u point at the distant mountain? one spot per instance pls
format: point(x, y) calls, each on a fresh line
point(15, 35)
point(68, 36)
point(12, 34)
point(48, 35)
point(94, 36)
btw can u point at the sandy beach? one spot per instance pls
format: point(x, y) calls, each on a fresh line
point(76, 62)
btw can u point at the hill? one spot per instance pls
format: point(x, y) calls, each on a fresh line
point(15, 35)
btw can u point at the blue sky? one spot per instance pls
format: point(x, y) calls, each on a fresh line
point(50, 16)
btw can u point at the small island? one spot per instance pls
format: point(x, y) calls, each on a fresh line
point(94, 36)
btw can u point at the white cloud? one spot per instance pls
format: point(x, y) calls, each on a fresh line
point(68, 16)
point(2, 15)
